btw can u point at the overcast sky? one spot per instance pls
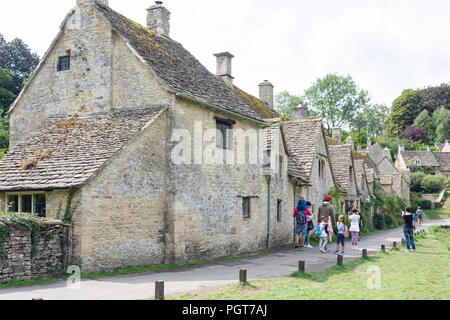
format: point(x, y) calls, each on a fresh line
point(385, 45)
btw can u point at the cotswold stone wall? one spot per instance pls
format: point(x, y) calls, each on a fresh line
point(52, 253)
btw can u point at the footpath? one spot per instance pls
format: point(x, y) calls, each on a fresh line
point(206, 277)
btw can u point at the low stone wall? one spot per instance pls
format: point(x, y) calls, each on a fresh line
point(49, 257)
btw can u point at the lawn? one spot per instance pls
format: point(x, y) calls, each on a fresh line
point(423, 275)
point(443, 213)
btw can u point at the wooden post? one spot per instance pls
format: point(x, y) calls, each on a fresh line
point(301, 266)
point(340, 260)
point(383, 248)
point(243, 276)
point(159, 290)
point(364, 253)
point(394, 244)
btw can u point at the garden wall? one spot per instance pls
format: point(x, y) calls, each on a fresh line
point(23, 260)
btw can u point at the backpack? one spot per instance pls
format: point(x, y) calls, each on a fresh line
point(346, 233)
point(318, 231)
point(301, 219)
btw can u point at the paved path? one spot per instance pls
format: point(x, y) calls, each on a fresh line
point(181, 281)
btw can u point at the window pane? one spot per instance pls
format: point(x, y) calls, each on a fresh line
point(26, 203)
point(223, 135)
point(64, 63)
point(246, 207)
point(39, 205)
point(13, 203)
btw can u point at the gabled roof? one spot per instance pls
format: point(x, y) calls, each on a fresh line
point(182, 72)
point(66, 152)
point(426, 158)
point(301, 139)
point(341, 160)
point(443, 158)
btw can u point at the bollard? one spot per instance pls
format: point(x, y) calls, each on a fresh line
point(301, 266)
point(243, 276)
point(364, 253)
point(340, 260)
point(394, 244)
point(383, 248)
point(159, 290)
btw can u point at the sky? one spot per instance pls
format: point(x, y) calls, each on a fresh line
point(385, 45)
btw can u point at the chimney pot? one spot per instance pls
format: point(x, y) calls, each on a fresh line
point(158, 19)
point(223, 67)
point(369, 142)
point(266, 93)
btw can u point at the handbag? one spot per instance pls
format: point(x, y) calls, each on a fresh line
point(310, 225)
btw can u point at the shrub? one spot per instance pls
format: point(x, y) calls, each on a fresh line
point(432, 184)
point(379, 221)
point(425, 204)
point(416, 181)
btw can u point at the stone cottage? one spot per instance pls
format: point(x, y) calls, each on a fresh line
point(149, 140)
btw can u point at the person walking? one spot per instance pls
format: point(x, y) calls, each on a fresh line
point(322, 235)
point(301, 223)
point(341, 227)
point(309, 217)
point(354, 228)
point(408, 230)
point(326, 210)
point(419, 214)
point(360, 221)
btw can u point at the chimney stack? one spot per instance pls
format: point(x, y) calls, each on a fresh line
point(369, 142)
point(158, 19)
point(351, 142)
point(387, 153)
point(85, 3)
point(266, 93)
point(224, 67)
point(300, 112)
point(401, 148)
point(337, 135)
point(428, 149)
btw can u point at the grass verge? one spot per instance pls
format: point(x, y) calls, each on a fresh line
point(422, 275)
point(443, 213)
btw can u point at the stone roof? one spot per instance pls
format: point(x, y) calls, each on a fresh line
point(376, 153)
point(341, 160)
point(66, 152)
point(426, 158)
point(301, 139)
point(182, 72)
point(443, 158)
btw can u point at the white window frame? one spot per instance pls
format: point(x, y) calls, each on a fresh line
point(20, 194)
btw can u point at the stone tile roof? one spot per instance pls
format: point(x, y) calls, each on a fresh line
point(443, 158)
point(341, 160)
point(301, 139)
point(182, 72)
point(376, 153)
point(68, 151)
point(426, 158)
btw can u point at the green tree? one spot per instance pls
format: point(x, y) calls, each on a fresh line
point(441, 120)
point(432, 184)
point(434, 98)
point(404, 111)
point(286, 102)
point(425, 121)
point(6, 95)
point(373, 118)
point(17, 58)
point(416, 181)
point(336, 99)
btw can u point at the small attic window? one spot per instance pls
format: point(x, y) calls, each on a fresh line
point(64, 63)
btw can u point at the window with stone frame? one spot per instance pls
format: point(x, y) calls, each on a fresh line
point(321, 168)
point(246, 207)
point(64, 63)
point(280, 167)
point(279, 209)
point(26, 203)
point(224, 135)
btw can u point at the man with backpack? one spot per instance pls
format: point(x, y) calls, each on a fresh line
point(301, 222)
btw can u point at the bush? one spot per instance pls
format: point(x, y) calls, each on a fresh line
point(379, 221)
point(416, 181)
point(432, 184)
point(425, 204)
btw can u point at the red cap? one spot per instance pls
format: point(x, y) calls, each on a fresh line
point(328, 198)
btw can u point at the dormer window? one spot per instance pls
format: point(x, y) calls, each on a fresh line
point(64, 63)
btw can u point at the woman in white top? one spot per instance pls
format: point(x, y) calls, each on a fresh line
point(354, 228)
